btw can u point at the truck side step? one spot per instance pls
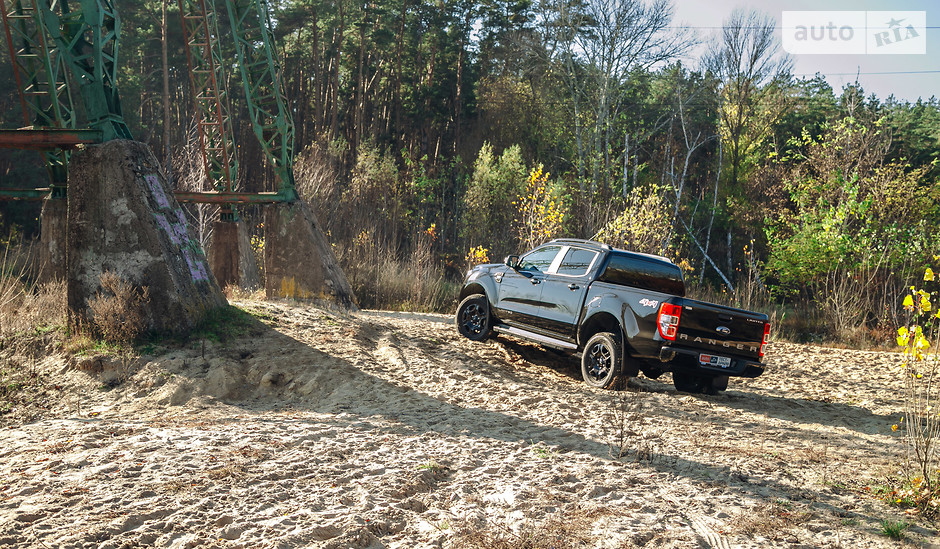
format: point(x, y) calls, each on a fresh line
point(537, 338)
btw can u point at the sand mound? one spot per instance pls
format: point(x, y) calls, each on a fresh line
point(318, 429)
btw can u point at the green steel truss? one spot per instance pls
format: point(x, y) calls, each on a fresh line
point(41, 79)
point(88, 40)
point(50, 39)
point(201, 32)
point(261, 79)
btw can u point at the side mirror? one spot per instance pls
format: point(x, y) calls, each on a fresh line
point(512, 262)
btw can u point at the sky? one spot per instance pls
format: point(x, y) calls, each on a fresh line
point(906, 76)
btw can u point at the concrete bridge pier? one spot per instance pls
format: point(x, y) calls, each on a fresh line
point(299, 262)
point(230, 256)
point(123, 219)
point(52, 232)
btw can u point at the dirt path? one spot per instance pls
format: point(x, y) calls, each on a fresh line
point(389, 430)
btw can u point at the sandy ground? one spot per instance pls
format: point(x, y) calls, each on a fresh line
point(319, 429)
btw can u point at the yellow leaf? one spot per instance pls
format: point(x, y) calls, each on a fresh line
point(923, 343)
point(928, 274)
point(894, 427)
point(908, 302)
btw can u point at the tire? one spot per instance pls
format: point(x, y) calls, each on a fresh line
point(696, 383)
point(718, 384)
point(602, 361)
point(473, 318)
point(688, 383)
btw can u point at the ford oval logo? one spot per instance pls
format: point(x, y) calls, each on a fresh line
point(723, 330)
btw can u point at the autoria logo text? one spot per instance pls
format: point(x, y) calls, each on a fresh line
point(855, 32)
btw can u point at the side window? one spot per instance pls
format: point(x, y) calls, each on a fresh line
point(539, 260)
point(576, 262)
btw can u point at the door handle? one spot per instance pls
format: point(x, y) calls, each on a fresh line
point(535, 281)
point(573, 287)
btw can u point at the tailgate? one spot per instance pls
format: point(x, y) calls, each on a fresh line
point(723, 330)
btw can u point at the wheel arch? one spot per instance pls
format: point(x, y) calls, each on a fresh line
point(474, 288)
point(599, 322)
point(604, 321)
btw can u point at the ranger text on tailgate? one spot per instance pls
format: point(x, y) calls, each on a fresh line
point(622, 311)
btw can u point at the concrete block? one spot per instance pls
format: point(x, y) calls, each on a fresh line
point(231, 257)
point(298, 260)
point(52, 239)
point(123, 218)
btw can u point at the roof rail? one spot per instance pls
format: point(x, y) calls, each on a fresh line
point(582, 241)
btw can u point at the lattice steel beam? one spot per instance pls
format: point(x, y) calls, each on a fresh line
point(201, 33)
point(261, 79)
point(88, 40)
point(41, 78)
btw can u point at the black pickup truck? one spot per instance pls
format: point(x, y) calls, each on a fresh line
point(622, 311)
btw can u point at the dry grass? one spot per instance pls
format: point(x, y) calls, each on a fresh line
point(178, 485)
point(230, 470)
point(771, 520)
point(415, 284)
point(558, 531)
point(25, 305)
point(620, 422)
point(117, 311)
point(31, 316)
point(236, 293)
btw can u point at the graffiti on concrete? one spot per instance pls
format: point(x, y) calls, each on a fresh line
point(156, 189)
point(173, 222)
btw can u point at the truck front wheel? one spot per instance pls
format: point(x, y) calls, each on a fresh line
point(602, 360)
point(473, 318)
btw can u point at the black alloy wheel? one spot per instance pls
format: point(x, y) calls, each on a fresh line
point(601, 360)
point(473, 318)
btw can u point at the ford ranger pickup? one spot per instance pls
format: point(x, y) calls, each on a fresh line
point(623, 312)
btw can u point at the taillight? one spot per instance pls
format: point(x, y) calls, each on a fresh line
point(766, 336)
point(668, 320)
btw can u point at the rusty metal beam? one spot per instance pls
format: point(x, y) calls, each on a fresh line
point(231, 198)
point(47, 139)
point(24, 194)
point(223, 199)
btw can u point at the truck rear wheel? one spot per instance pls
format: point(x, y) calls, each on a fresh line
point(697, 383)
point(602, 360)
point(687, 383)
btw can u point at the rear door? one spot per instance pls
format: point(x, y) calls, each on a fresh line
point(520, 290)
point(563, 290)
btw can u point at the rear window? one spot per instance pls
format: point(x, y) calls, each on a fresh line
point(645, 274)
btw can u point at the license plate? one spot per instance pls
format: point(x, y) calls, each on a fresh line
point(714, 361)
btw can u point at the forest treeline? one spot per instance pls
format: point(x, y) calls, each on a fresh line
point(434, 134)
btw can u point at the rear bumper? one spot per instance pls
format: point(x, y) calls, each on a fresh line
point(688, 359)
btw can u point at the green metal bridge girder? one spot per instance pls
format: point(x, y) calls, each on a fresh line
point(41, 78)
point(261, 79)
point(88, 40)
point(208, 83)
point(50, 39)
